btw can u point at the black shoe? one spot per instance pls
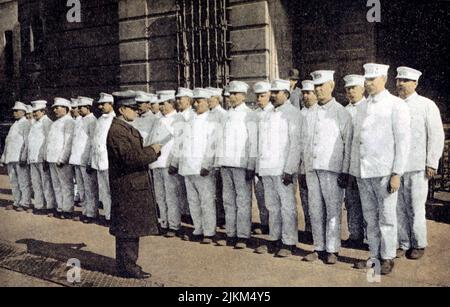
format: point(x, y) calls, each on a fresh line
point(285, 251)
point(331, 258)
point(88, 220)
point(40, 212)
point(387, 266)
point(231, 241)
point(197, 238)
point(351, 243)
point(308, 238)
point(416, 253)
point(241, 243)
point(171, 234)
point(265, 229)
point(400, 253)
point(139, 274)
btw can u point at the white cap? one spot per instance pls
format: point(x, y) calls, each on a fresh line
point(39, 105)
point(308, 85)
point(184, 92)
point(280, 85)
point(154, 99)
point(29, 109)
point(215, 92)
point(322, 76)
point(354, 80)
point(61, 102)
point(373, 70)
point(226, 91)
point(74, 102)
point(20, 106)
point(238, 87)
point(106, 98)
point(200, 93)
point(261, 87)
point(85, 101)
point(166, 95)
point(408, 73)
point(143, 97)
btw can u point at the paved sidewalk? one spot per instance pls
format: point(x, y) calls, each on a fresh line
point(178, 263)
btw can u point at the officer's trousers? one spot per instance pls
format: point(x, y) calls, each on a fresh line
point(44, 196)
point(237, 202)
point(282, 207)
point(20, 184)
point(355, 218)
point(379, 210)
point(325, 202)
point(201, 195)
point(62, 180)
point(127, 253)
point(90, 188)
point(104, 192)
point(260, 199)
point(168, 198)
point(412, 225)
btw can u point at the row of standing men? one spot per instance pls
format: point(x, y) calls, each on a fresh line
point(363, 151)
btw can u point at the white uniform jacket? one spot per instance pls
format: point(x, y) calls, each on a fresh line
point(99, 152)
point(15, 144)
point(37, 139)
point(82, 141)
point(59, 140)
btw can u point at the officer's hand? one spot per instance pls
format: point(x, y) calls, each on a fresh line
point(204, 172)
point(430, 172)
point(288, 179)
point(343, 180)
point(89, 170)
point(394, 184)
point(173, 170)
point(23, 163)
point(249, 175)
point(59, 165)
point(303, 184)
point(156, 148)
point(45, 166)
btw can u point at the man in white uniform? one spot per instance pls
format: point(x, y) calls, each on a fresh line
point(154, 106)
point(326, 137)
point(15, 158)
point(44, 196)
point(59, 145)
point(166, 185)
point(262, 91)
point(195, 163)
point(99, 152)
point(218, 114)
point(146, 120)
point(79, 186)
point(309, 99)
point(278, 160)
point(380, 152)
point(236, 155)
point(427, 145)
point(354, 89)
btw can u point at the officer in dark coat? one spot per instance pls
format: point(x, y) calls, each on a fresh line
point(133, 210)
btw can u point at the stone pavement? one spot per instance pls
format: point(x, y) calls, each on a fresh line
point(173, 262)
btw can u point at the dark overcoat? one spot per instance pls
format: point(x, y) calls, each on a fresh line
point(133, 208)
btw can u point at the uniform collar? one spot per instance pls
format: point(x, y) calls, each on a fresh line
point(241, 107)
point(328, 105)
point(268, 107)
point(283, 106)
point(110, 114)
point(22, 119)
point(171, 114)
point(378, 97)
point(217, 108)
point(41, 119)
point(354, 105)
point(203, 115)
point(146, 114)
point(411, 97)
point(187, 114)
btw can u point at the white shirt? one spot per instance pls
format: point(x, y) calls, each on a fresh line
point(427, 134)
point(37, 139)
point(145, 125)
point(99, 151)
point(59, 140)
point(279, 141)
point(81, 144)
point(381, 137)
point(303, 113)
point(326, 138)
point(218, 114)
point(352, 107)
point(198, 145)
point(15, 143)
point(237, 145)
point(164, 135)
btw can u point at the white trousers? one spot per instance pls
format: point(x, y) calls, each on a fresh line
point(325, 199)
point(79, 185)
point(44, 196)
point(412, 224)
point(167, 198)
point(260, 199)
point(237, 202)
point(282, 207)
point(90, 188)
point(380, 213)
point(305, 205)
point(201, 192)
point(62, 181)
point(104, 192)
point(19, 178)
